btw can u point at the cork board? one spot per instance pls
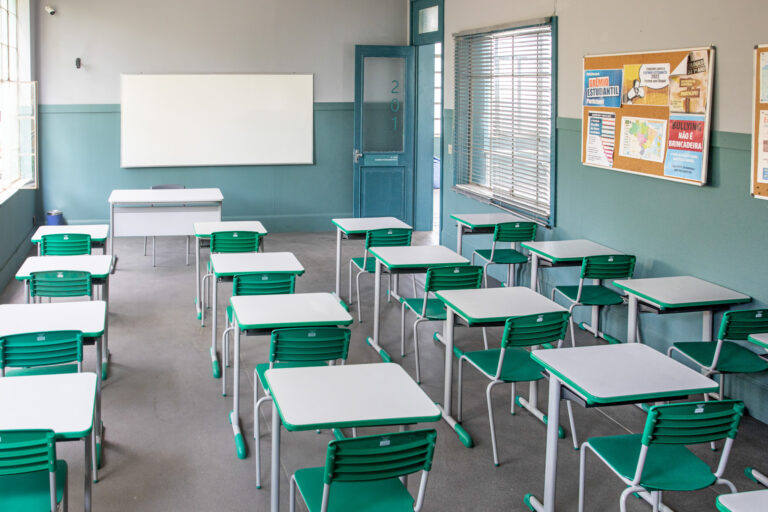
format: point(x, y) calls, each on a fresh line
point(759, 168)
point(649, 113)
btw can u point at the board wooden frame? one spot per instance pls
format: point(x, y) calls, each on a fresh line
point(758, 190)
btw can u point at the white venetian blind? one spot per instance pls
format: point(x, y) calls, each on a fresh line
point(504, 117)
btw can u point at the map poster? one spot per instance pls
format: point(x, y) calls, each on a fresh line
point(763, 77)
point(602, 88)
point(600, 138)
point(762, 147)
point(642, 138)
point(646, 84)
point(685, 149)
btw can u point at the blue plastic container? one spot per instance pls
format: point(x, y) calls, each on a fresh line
point(53, 217)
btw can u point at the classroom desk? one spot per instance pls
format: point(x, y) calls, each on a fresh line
point(480, 224)
point(260, 314)
point(412, 259)
point(228, 265)
point(752, 501)
point(97, 232)
point(356, 228)
point(605, 375)
point(487, 307)
point(161, 212)
point(90, 318)
point(203, 230)
point(355, 395)
point(678, 294)
point(760, 339)
point(62, 403)
point(99, 266)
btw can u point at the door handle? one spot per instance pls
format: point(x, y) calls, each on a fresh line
point(356, 154)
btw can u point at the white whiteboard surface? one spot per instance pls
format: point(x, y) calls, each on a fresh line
point(221, 119)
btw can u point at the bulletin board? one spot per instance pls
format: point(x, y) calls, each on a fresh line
point(760, 124)
point(649, 113)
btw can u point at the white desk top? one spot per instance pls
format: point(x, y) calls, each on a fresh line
point(680, 291)
point(229, 264)
point(99, 265)
point(489, 305)
point(288, 310)
point(89, 317)
point(98, 232)
point(485, 220)
point(417, 256)
point(363, 224)
point(62, 403)
point(760, 339)
point(752, 501)
point(349, 395)
point(166, 196)
point(206, 228)
point(568, 250)
point(605, 374)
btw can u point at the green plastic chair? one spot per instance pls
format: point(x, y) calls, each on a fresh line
point(658, 459)
point(30, 476)
point(69, 244)
point(227, 242)
point(293, 348)
point(433, 310)
point(393, 237)
point(512, 363)
point(60, 283)
point(725, 356)
point(361, 474)
point(41, 353)
point(614, 266)
point(512, 232)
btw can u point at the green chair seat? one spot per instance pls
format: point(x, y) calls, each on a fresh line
point(592, 295)
point(31, 492)
point(733, 357)
point(435, 307)
point(503, 256)
point(370, 264)
point(518, 365)
point(378, 496)
point(667, 466)
point(42, 370)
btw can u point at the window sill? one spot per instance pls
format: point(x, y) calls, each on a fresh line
point(480, 194)
point(11, 190)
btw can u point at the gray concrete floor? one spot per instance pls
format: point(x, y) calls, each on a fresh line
point(169, 445)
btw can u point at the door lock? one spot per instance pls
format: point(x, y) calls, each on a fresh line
point(356, 154)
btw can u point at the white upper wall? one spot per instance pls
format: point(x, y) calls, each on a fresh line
point(609, 26)
point(204, 36)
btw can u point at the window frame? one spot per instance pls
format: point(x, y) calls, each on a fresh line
point(430, 37)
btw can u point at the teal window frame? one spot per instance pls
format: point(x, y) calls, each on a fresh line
point(430, 37)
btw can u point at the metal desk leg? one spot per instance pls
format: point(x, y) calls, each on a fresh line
point(234, 416)
point(459, 236)
point(447, 339)
point(374, 342)
point(197, 278)
point(87, 440)
point(338, 264)
point(26, 289)
point(214, 354)
point(99, 441)
point(550, 471)
point(275, 483)
point(106, 355)
point(112, 229)
point(534, 271)
point(706, 326)
point(632, 320)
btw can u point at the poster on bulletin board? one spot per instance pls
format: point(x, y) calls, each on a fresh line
point(759, 166)
point(649, 113)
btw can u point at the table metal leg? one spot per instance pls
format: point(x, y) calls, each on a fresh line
point(234, 417)
point(338, 264)
point(706, 326)
point(112, 229)
point(459, 236)
point(97, 418)
point(275, 483)
point(87, 469)
point(447, 340)
point(214, 353)
point(374, 342)
point(26, 290)
point(632, 320)
point(197, 278)
point(105, 354)
point(534, 271)
point(550, 471)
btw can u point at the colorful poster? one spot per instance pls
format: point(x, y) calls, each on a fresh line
point(688, 94)
point(602, 88)
point(601, 138)
point(685, 149)
point(764, 77)
point(642, 138)
point(762, 147)
point(646, 84)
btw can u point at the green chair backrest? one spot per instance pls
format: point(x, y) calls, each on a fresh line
point(514, 232)
point(60, 283)
point(235, 241)
point(27, 451)
point(388, 237)
point(692, 422)
point(529, 330)
point(379, 457)
point(69, 244)
point(34, 349)
point(613, 266)
point(309, 345)
point(263, 283)
point(738, 325)
point(453, 278)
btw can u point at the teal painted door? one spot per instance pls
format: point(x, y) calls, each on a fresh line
point(384, 132)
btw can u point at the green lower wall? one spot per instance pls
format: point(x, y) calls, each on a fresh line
point(80, 166)
point(715, 232)
point(16, 228)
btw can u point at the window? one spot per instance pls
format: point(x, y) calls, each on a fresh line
point(504, 117)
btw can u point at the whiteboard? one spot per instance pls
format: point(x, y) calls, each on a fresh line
point(220, 119)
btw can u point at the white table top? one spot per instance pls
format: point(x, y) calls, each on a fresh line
point(568, 250)
point(229, 264)
point(760, 338)
point(166, 196)
point(349, 395)
point(488, 305)
point(206, 228)
point(486, 220)
point(98, 232)
point(62, 403)
point(752, 501)
point(288, 310)
point(417, 256)
point(363, 224)
point(99, 265)
point(604, 374)
point(680, 291)
point(89, 317)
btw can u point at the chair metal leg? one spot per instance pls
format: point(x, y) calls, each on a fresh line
point(416, 348)
point(460, 390)
point(413, 284)
point(655, 500)
point(572, 423)
point(572, 325)
point(402, 330)
point(350, 282)
point(485, 274)
point(359, 305)
point(485, 338)
point(512, 399)
point(257, 434)
point(490, 421)
point(292, 494)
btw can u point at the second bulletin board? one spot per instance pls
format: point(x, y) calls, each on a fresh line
point(760, 125)
point(649, 113)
